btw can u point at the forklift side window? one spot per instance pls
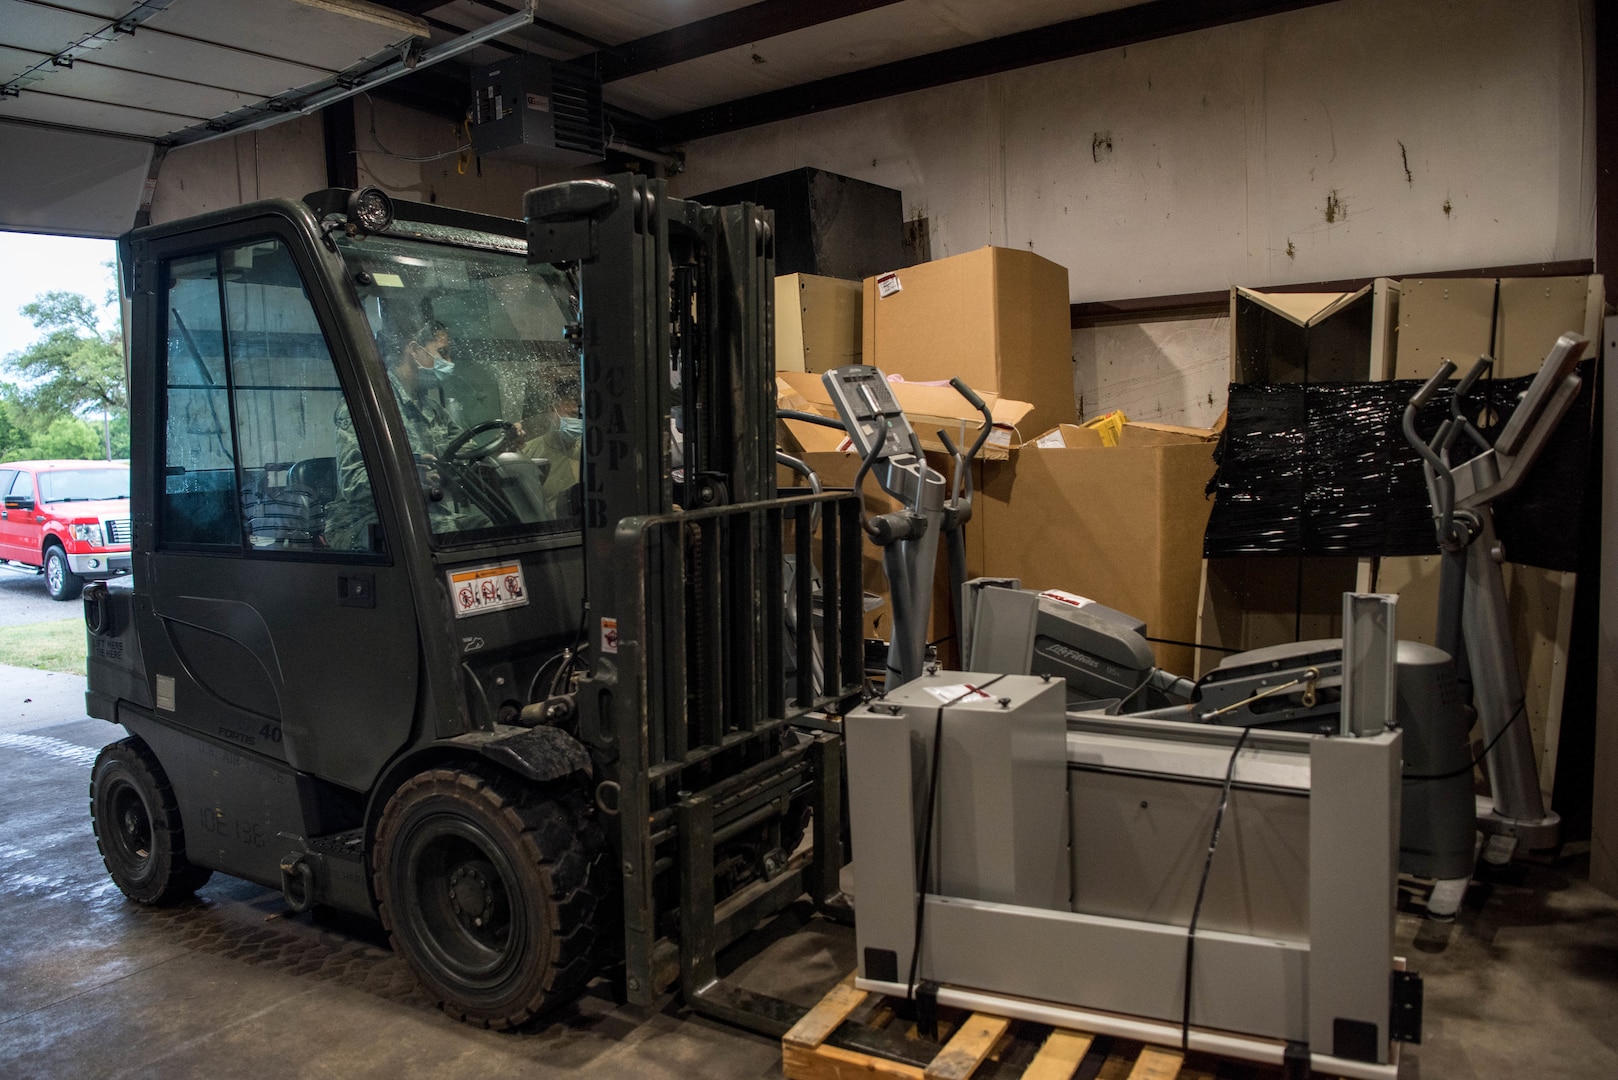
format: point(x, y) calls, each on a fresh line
point(287, 406)
point(252, 397)
point(199, 476)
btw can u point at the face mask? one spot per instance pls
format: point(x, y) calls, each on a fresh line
point(571, 427)
point(441, 368)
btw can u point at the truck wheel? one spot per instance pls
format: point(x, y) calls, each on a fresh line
point(60, 580)
point(491, 890)
point(137, 826)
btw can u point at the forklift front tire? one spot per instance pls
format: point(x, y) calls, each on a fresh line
point(137, 826)
point(491, 891)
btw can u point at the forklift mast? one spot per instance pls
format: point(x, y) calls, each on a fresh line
point(686, 705)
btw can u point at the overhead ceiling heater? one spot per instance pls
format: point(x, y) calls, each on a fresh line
point(529, 109)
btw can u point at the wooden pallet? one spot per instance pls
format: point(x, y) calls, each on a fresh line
point(1012, 1049)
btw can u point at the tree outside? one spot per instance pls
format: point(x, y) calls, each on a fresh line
point(71, 397)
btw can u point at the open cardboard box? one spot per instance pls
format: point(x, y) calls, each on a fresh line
point(1121, 524)
point(930, 409)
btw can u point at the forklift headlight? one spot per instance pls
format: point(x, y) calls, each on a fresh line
point(370, 209)
point(88, 534)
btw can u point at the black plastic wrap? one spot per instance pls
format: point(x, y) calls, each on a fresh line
point(1324, 469)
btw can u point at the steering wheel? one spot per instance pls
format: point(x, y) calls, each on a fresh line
point(452, 452)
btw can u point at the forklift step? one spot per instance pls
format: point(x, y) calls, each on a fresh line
point(349, 844)
point(852, 1033)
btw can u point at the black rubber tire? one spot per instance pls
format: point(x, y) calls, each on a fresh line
point(137, 826)
point(60, 580)
point(492, 891)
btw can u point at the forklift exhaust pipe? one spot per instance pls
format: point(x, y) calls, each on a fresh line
point(297, 883)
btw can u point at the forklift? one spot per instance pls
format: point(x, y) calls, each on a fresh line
point(461, 589)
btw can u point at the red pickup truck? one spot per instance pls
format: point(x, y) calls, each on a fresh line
point(69, 519)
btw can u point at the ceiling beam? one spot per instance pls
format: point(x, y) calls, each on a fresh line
point(1076, 37)
point(727, 30)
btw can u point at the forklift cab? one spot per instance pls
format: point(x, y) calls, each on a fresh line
point(333, 462)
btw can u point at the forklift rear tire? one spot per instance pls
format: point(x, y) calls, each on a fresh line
point(491, 891)
point(60, 580)
point(137, 826)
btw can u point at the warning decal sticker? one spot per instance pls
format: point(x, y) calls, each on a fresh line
point(474, 590)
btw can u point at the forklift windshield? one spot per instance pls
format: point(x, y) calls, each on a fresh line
point(474, 341)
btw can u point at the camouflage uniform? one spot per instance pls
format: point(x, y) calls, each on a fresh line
point(428, 427)
point(563, 455)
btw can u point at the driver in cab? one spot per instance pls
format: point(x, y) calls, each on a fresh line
point(417, 362)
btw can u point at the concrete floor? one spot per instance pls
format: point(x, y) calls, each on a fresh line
point(1524, 982)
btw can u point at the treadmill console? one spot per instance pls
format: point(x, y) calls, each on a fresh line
point(868, 410)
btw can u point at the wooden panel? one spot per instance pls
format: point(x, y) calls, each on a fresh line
point(823, 1019)
point(967, 1048)
point(832, 1063)
point(1442, 318)
point(1541, 606)
point(1535, 599)
point(1059, 1057)
point(1155, 1063)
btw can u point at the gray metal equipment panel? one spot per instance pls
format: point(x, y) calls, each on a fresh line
point(1239, 983)
point(1139, 844)
point(1003, 630)
point(1354, 863)
point(882, 822)
point(1001, 820)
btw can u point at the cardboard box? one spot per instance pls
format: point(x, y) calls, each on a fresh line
point(817, 322)
point(1290, 337)
point(996, 317)
point(1122, 524)
point(930, 409)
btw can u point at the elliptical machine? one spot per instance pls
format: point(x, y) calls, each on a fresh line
point(1473, 621)
point(930, 505)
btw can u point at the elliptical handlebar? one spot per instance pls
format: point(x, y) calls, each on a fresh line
point(1430, 387)
point(1464, 387)
point(1440, 478)
point(961, 486)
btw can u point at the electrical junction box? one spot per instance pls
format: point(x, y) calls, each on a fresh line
point(531, 110)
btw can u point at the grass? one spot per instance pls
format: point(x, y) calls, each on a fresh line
point(48, 646)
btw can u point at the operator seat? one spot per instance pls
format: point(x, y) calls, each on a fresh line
point(317, 476)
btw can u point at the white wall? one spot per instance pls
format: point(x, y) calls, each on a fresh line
point(1169, 371)
point(289, 161)
point(1209, 159)
point(1194, 162)
point(1181, 165)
